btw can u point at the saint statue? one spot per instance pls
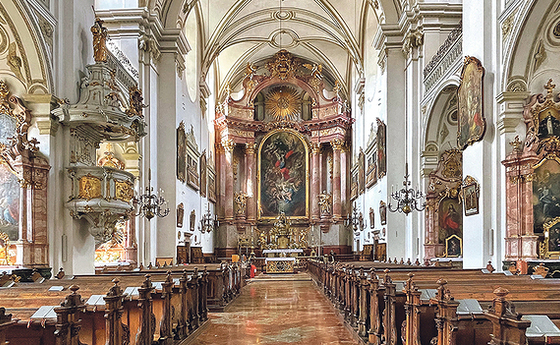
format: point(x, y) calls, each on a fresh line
point(99, 38)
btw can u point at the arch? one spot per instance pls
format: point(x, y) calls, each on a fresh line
point(437, 111)
point(517, 58)
point(27, 49)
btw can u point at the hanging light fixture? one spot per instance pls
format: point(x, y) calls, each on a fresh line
point(150, 204)
point(356, 220)
point(408, 199)
point(208, 222)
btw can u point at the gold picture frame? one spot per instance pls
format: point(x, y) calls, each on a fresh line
point(552, 239)
point(453, 247)
point(471, 123)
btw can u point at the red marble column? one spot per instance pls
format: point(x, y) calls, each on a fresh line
point(251, 181)
point(315, 183)
point(337, 204)
point(344, 181)
point(227, 165)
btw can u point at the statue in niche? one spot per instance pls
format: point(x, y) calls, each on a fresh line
point(325, 203)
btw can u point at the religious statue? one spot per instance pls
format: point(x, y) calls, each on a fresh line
point(240, 202)
point(99, 38)
point(325, 203)
point(136, 103)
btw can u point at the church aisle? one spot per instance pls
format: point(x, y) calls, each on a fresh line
point(277, 310)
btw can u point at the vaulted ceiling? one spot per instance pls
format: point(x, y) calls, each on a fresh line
point(235, 32)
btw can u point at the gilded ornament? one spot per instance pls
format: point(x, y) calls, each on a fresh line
point(99, 40)
point(90, 187)
point(283, 104)
point(124, 190)
point(283, 65)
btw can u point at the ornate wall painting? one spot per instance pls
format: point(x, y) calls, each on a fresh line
point(470, 192)
point(361, 172)
point(381, 149)
point(9, 203)
point(203, 174)
point(546, 192)
point(453, 246)
point(450, 219)
point(471, 123)
point(552, 239)
point(283, 170)
point(180, 215)
point(383, 212)
point(181, 152)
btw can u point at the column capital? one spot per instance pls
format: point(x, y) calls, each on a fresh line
point(337, 144)
point(250, 148)
point(228, 145)
point(315, 148)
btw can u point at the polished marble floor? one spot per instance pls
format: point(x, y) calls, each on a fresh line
point(280, 309)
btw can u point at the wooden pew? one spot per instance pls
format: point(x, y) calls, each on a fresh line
point(390, 310)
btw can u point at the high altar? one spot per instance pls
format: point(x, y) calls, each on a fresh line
point(281, 145)
point(282, 245)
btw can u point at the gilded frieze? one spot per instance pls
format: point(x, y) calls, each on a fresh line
point(90, 187)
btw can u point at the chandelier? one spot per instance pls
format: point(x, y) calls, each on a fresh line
point(150, 204)
point(208, 222)
point(408, 199)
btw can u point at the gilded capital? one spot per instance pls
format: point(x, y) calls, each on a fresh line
point(337, 144)
point(228, 145)
point(99, 38)
point(250, 148)
point(315, 148)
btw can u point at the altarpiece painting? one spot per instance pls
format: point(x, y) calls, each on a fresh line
point(283, 183)
point(471, 123)
point(546, 192)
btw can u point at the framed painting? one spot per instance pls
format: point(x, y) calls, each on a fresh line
point(371, 175)
point(450, 219)
point(453, 247)
point(552, 239)
point(203, 174)
point(181, 152)
point(282, 175)
point(361, 172)
point(546, 188)
point(354, 184)
point(471, 123)
point(383, 213)
point(180, 215)
point(381, 149)
point(371, 218)
point(470, 192)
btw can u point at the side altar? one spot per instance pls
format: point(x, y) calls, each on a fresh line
point(282, 245)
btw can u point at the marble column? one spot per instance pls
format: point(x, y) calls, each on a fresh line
point(251, 181)
point(337, 204)
point(227, 166)
point(315, 176)
point(131, 248)
point(344, 180)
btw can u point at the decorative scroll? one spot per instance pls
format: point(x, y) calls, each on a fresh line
point(471, 123)
point(181, 152)
point(283, 168)
point(381, 149)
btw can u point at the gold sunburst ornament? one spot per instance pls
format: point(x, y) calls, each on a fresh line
point(283, 104)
